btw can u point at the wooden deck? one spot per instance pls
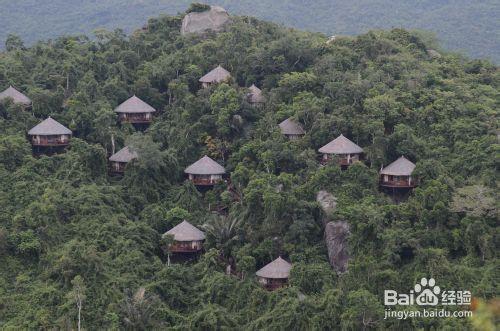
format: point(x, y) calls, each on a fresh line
point(205, 182)
point(184, 248)
point(399, 183)
point(117, 167)
point(344, 162)
point(49, 142)
point(274, 284)
point(136, 118)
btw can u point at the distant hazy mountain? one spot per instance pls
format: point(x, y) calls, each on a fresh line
point(463, 25)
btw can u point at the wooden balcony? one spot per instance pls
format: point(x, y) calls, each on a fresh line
point(347, 162)
point(49, 141)
point(117, 167)
point(273, 284)
point(294, 136)
point(342, 161)
point(404, 183)
point(185, 247)
point(205, 181)
point(142, 118)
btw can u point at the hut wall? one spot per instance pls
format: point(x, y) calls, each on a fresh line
point(272, 283)
point(397, 181)
point(294, 136)
point(344, 159)
point(52, 140)
point(118, 166)
point(205, 179)
point(186, 246)
point(135, 117)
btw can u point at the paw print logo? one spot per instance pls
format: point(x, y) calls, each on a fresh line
point(427, 292)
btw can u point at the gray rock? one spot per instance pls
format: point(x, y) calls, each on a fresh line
point(336, 235)
point(433, 54)
point(327, 202)
point(201, 22)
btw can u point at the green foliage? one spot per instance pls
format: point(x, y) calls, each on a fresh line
point(70, 233)
point(443, 20)
point(197, 7)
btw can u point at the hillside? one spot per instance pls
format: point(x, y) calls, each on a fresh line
point(470, 27)
point(71, 233)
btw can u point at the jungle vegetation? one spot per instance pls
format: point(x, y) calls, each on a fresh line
point(71, 235)
point(468, 27)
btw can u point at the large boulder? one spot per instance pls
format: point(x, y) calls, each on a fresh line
point(201, 22)
point(327, 202)
point(336, 235)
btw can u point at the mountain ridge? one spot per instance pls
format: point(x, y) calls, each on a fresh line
point(460, 26)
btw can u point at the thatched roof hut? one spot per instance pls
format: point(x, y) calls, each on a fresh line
point(341, 145)
point(16, 96)
point(186, 232)
point(49, 127)
point(205, 166)
point(124, 155)
point(255, 95)
point(291, 128)
point(277, 269)
point(400, 167)
point(134, 105)
point(217, 75)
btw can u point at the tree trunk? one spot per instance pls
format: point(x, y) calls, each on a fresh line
point(112, 144)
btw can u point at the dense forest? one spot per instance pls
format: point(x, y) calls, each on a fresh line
point(470, 27)
point(72, 236)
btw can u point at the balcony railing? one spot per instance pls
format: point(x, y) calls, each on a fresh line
point(343, 161)
point(117, 167)
point(205, 181)
point(139, 118)
point(49, 142)
point(398, 183)
point(185, 248)
point(347, 162)
point(273, 284)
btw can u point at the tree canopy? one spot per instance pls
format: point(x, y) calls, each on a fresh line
point(79, 245)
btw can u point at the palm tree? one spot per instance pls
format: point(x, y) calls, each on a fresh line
point(139, 310)
point(222, 230)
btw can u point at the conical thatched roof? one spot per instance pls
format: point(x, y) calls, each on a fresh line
point(15, 95)
point(205, 166)
point(49, 127)
point(123, 155)
point(341, 145)
point(217, 75)
point(400, 167)
point(290, 127)
point(279, 268)
point(186, 232)
point(134, 105)
point(255, 95)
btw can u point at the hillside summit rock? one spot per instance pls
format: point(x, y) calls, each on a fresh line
point(201, 22)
